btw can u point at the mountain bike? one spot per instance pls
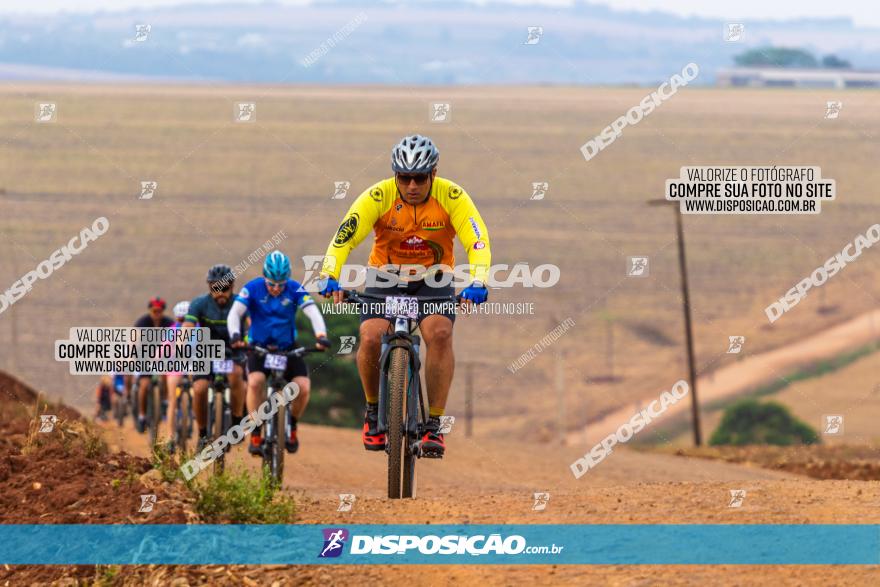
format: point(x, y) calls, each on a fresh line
point(277, 428)
point(402, 405)
point(183, 415)
point(120, 405)
point(155, 407)
point(219, 407)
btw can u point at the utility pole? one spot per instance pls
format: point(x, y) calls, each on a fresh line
point(688, 325)
point(469, 400)
point(13, 324)
point(560, 394)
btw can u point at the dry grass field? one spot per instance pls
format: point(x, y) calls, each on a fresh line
point(225, 187)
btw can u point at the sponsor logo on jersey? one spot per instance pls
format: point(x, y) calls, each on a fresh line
point(475, 227)
point(398, 207)
point(414, 243)
point(433, 225)
point(454, 192)
point(347, 230)
point(479, 245)
point(376, 194)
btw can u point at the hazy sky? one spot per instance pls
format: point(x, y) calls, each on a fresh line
point(862, 12)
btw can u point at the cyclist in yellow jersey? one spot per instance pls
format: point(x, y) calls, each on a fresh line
point(414, 216)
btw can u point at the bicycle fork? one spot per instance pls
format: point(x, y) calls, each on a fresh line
point(415, 400)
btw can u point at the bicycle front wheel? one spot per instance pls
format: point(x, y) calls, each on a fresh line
point(154, 411)
point(278, 446)
point(184, 428)
point(396, 436)
point(217, 409)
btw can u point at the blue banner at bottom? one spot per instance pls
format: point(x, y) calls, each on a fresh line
point(738, 544)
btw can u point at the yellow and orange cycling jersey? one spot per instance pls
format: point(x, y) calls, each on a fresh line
point(412, 235)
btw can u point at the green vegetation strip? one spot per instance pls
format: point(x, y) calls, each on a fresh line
point(681, 424)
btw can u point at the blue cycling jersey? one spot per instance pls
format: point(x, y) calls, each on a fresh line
point(273, 318)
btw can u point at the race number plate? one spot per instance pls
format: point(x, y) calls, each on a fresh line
point(221, 366)
point(276, 362)
point(402, 307)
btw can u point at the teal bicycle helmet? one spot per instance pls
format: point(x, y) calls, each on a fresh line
point(277, 266)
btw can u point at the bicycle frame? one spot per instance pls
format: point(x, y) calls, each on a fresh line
point(415, 401)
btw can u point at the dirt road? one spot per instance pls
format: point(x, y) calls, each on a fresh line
point(745, 375)
point(493, 482)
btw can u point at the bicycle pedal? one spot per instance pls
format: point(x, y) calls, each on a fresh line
point(416, 450)
point(432, 454)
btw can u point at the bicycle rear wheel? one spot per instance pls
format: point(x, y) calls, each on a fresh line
point(396, 413)
point(119, 409)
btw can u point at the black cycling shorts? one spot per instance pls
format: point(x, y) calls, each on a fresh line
point(376, 309)
point(296, 366)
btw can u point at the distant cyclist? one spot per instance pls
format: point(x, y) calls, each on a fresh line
point(104, 397)
point(272, 302)
point(211, 310)
point(173, 378)
point(415, 216)
point(155, 318)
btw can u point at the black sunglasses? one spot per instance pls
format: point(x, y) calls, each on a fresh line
point(419, 178)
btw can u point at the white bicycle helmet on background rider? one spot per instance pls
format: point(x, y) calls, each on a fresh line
point(181, 309)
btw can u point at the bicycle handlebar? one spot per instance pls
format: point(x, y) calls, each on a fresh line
point(354, 296)
point(297, 352)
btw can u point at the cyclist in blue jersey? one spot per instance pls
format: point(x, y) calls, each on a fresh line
point(272, 302)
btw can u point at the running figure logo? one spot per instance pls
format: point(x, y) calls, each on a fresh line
point(440, 112)
point(346, 344)
point(47, 423)
point(541, 500)
point(142, 32)
point(341, 190)
point(637, 266)
point(833, 424)
point(46, 112)
point(736, 344)
point(147, 502)
point(148, 190)
point(539, 190)
point(334, 541)
point(736, 498)
point(734, 32)
point(346, 501)
point(245, 112)
point(446, 423)
point(832, 109)
point(534, 37)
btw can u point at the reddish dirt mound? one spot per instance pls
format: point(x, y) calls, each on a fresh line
point(858, 463)
point(12, 390)
point(67, 476)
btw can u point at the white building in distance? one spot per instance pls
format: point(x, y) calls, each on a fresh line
point(778, 77)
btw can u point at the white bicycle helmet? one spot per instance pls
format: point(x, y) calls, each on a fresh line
point(181, 309)
point(414, 154)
